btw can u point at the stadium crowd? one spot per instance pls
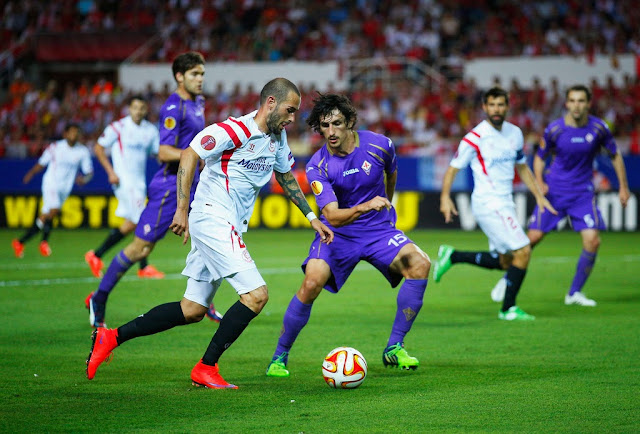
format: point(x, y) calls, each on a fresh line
point(438, 33)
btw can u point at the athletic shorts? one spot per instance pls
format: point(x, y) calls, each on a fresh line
point(500, 225)
point(157, 216)
point(52, 198)
point(580, 207)
point(131, 201)
point(218, 252)
point(377, 246)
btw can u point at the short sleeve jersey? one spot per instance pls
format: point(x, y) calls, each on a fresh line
point(180, 120)
point(573, 150)
point(130, 145)
point(354, 179)
point(62, 162)
point(492, 156)
point(239, 161)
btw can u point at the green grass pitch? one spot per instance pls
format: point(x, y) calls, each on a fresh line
point(573, 369)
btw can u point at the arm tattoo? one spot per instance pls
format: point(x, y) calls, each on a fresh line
point(181, 173)
point(292, 191)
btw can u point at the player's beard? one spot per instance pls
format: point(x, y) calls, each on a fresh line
point(496, 121)
point(272, 123)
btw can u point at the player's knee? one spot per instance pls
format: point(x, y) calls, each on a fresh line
point(592, 243)
point(521, 257)
point(256, 299)
point(310, 289)
point(419, 268)
point(193, 312)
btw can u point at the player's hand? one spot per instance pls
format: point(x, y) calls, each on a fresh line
point(80, 180)
point(624, 196)
point(447, 208)
point(544, 204)
point(27, 178)
point(113, 179)
point(378, 203)
point(326, 234)
point(543, 187)
point(180, 225)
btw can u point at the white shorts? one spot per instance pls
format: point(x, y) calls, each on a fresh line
point(52, 198)
point(131, 201)
point(500, 225)
point(218, 252)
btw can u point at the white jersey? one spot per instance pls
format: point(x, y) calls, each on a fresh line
point(239, 161)
point(492, 155)
point(130, 145)
point(62, 162)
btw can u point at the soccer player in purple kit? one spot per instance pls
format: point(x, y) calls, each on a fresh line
point(181, 118)
point(347, 176)
point(574, 141)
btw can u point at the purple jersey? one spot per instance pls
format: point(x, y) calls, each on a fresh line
point(573, 151)
point(354, 179)
point(180, 121)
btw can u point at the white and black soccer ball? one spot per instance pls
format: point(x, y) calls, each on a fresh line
point(344, 368)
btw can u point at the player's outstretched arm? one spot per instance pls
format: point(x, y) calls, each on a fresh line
point(447, 207)
point(527, 177)
point(37, 168)
point(538, 170)
point(621, 173)
point(186, 170)
point(292, 190)
point(101, 155)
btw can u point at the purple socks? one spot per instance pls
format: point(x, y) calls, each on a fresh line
point(119, 265)
point(409, 303)
point(583, 269)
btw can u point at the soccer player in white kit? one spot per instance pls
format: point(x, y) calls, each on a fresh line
point(131, 141)
point(493, 148)
point(62, 160)
point(240, 156)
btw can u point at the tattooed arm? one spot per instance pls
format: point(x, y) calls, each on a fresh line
point(186, 170)
point(292, 190)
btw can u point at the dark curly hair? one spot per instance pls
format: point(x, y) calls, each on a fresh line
point(325, 104)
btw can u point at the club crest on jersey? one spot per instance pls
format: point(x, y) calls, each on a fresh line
point(246, 256)
point(169, 122)
point(272, 146)
point(147, 228)
point(589, 137)
point(208, 142)
point(366, 166)
point(316, 187)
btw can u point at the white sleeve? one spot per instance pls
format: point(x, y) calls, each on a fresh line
point(463, 155)
point(284, 158)
point(214, 140)
point(521, 158)
point(86, 165)
point(109, 137)
point(154, 149)
point(46, 156)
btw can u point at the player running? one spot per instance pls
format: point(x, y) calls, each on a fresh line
point(131, 140)
point(240, 156)
point(493, 148)
point(62, 160)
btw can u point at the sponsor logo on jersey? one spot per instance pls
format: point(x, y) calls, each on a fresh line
point(169, 122)
point(316, 187)
point(577, 140)
point(366, 166)
point(172, 106)
point(259, 165)
point(349, 172)
point(208, 142)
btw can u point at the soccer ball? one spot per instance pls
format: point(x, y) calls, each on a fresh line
point(344, 368)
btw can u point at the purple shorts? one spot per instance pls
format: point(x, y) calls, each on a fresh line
point(579, 206)
point(158, 214)
point(378, 246)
